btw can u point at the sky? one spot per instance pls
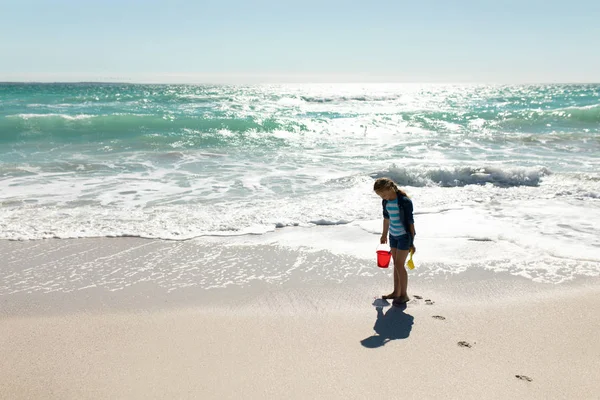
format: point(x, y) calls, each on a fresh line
point(235, 41)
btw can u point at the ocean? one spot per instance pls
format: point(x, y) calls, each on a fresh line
point(515, 165)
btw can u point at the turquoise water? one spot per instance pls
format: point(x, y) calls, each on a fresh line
point(113, 118)
point(180, 161)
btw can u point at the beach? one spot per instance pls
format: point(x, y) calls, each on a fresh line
point(467, 335)
point(218, 241)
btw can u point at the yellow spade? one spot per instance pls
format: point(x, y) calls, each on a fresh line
point(410, 263)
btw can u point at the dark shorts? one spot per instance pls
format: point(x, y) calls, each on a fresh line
point(400, 242)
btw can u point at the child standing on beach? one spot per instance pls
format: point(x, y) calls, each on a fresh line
point(398, 221)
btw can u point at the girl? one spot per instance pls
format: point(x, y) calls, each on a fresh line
point(398, 221)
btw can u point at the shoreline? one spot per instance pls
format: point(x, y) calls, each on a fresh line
point(100, 275)
point(57, 276)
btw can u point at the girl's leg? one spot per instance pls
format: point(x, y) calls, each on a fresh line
point(396, 292)
point(400, 274)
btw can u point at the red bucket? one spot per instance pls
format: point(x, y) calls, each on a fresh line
point(383, 258)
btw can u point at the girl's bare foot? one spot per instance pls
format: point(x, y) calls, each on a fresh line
point(401, 299)
point(389, 296)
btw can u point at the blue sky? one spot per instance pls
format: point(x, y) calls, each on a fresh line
point(249, 41)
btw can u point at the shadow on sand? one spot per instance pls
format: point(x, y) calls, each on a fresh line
point(394, 324)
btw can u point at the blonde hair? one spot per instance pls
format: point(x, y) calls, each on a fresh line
point(387, 184)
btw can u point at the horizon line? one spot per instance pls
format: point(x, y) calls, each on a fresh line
point(189, 78)
point(144, 82)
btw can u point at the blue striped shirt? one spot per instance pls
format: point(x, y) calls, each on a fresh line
point(396, 225)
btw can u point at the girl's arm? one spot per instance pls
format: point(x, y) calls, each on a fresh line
point(408, 209)
point(386, 227)
point(412, 234)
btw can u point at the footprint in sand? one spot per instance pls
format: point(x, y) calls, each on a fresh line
point(438, 317)
point(418, 297)
point(464, 344)
point(429, 302)
point(524, 378)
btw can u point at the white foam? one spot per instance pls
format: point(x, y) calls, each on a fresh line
point(465, 175)
point(290, 101)
point(538, 232)
point(63, 116)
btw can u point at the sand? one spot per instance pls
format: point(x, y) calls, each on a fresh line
point(301, 341)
